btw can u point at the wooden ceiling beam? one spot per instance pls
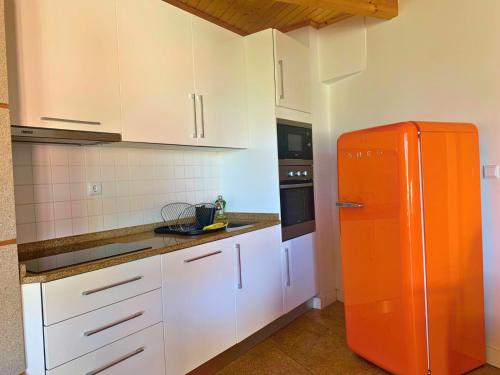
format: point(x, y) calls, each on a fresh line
point(384, 9)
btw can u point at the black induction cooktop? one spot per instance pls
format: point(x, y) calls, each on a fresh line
point(72, 258)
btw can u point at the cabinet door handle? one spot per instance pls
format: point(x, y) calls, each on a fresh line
point(238, 254)
point(202, 110)
point(202, 256)
point(282, 88)
point(87, 292)
point(115, 362)
point(287, 259)
point(195, 120)
point(44, 118)
point(114, 324)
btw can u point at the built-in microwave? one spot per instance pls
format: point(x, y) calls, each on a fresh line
point(294, 141)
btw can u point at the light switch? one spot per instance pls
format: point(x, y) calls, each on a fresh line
point(94, 188)
point(491, 171)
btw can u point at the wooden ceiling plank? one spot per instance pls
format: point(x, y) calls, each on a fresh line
point(297, 15)
point(282, 17)
point(208, 17)
point(325, 15)
point(255, 16)
point(275, 9)
point(220, 6)
point(235, 7)
point(245, 16)
point(274, 21)
point(385, 9)
point(203, 5)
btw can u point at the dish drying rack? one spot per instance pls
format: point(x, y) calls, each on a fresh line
point(187, 219)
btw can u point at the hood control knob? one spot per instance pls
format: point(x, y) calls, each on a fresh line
point(304, 173)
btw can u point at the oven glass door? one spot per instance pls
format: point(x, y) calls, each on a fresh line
point(297, 204)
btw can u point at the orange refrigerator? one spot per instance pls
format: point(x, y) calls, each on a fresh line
point(410, 233)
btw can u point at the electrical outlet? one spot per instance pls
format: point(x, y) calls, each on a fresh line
point(491, 171)
point(94, 188)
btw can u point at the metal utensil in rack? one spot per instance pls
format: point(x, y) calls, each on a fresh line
point(187, 219)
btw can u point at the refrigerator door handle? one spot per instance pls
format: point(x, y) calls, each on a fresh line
point(349, 205)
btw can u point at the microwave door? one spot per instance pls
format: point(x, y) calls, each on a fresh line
point(294, 142)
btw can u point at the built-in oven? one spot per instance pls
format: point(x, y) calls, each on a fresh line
point(296, 199)
point(295, 141)
point(295, 153)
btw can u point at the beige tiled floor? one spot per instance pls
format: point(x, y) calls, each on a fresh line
point(312, 344)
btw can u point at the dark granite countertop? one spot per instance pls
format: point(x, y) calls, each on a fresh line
point(143, 235)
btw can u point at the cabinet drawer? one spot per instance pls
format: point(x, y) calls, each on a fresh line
point(141, 352)
point(74, 337)
point(72, 296)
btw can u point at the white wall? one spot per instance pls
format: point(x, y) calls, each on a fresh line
point(440, 61)
point(51, 186)
point(342, 49)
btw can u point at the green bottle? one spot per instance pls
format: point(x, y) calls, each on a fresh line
point(220, 205)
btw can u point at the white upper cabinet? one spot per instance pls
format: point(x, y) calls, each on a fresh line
point(292, 70)
point(182, 78)
point(259, 293)
point(156, 68)
point(219, 59)
point(63, 64)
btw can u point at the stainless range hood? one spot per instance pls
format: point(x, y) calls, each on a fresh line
point(61, 136)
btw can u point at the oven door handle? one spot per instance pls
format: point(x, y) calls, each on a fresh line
point(293, 186)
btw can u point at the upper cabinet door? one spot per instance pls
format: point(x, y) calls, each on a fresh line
point(292, 69)
point(219, 59)
point(156, 68)
point(63, 64)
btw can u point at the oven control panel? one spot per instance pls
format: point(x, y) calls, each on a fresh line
point(296, 173)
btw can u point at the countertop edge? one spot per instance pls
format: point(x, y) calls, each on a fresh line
point(30, 278)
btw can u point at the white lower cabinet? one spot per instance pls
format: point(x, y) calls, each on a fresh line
point(259, 293)
point(198, 305)
point(72, 296)
point(98, 328)
point(212, 295)
point(299, 276)
point(142, 352)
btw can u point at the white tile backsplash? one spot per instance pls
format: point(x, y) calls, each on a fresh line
point(51, 186)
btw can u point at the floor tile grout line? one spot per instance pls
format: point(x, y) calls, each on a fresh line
point(286, 355)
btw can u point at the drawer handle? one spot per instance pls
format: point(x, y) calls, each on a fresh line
point(202, 256)
point(111, 325)
point(115, 362)
point(70, 120)
point(87, 292)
